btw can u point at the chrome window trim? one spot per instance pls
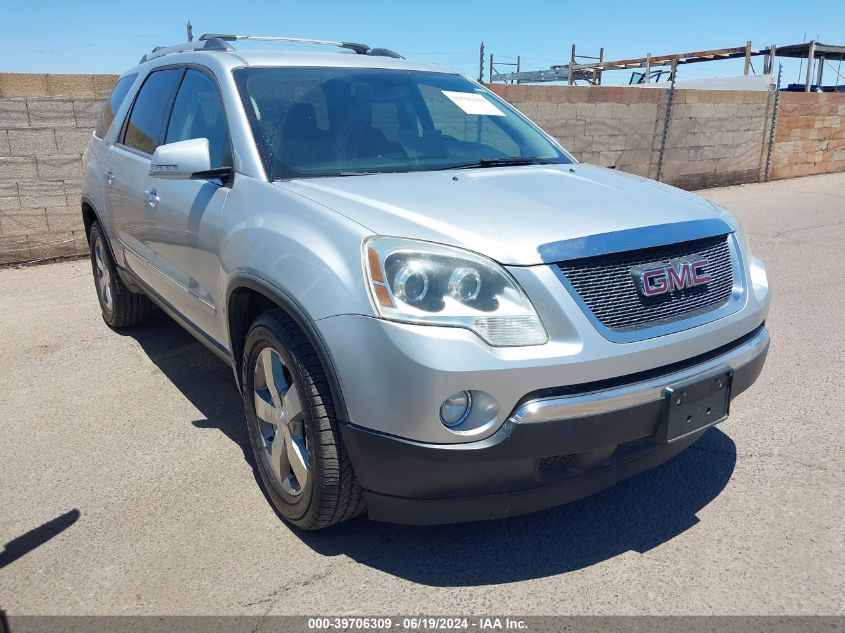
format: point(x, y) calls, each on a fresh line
point(609, 400)
point(736, 302)
point(133, 150)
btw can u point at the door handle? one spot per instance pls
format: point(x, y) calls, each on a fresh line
point(110, 176)
point(152, 198)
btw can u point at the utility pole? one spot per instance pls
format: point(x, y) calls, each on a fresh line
point(481, 63)
point(190, 31)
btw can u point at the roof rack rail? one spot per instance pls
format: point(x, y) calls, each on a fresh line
point(360, 49)
point(208, 44)
point(218, 42)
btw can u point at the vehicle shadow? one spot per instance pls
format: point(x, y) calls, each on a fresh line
point(636, 515)
point(205, 380)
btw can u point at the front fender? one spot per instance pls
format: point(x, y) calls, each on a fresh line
point(304, 249)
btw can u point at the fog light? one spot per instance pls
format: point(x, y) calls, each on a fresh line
point(455, 408)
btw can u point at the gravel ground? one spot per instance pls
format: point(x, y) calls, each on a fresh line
point(125, 487)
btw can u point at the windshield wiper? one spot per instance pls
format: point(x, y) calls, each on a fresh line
point(507, 161)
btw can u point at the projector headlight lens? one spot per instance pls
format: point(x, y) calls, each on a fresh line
point(411, 282)
point(465, 284)
point(434, 284)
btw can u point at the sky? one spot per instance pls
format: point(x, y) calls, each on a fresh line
point(92, 36)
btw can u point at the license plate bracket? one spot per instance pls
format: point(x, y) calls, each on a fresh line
point(694, 405)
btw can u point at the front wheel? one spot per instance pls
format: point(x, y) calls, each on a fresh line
point(294, 434)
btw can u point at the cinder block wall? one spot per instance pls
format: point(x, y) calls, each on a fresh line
point(45, 123)
point(715, 137)
point(604, 125)
point(810, 134)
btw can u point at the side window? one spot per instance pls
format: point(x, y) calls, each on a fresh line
point(147, 119)
point(113, 103)
point(198, 113)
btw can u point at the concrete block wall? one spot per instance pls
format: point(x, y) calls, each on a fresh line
point(45, 123)
point(715, 137)
point(810, 135)
point(611, 126)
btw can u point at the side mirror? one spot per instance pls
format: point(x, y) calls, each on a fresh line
point(184, 160)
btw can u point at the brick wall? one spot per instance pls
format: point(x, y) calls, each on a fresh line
point(715, 137)
point(45, 122)
point(810, 135)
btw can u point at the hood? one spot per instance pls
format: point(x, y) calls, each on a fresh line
point(505, 213)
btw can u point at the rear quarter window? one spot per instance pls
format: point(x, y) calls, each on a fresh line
point(113, 103)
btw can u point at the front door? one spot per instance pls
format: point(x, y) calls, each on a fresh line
point(183, 239)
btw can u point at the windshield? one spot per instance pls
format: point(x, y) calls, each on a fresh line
point(310, 122)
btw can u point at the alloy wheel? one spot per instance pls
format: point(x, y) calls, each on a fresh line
point(278, 410)
point(102, 274)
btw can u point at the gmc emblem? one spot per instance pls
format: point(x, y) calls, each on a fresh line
point(658, 279)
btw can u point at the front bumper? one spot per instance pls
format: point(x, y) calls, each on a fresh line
point(394, 376)
point(555, 446)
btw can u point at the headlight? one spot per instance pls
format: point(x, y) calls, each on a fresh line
point(421, 282)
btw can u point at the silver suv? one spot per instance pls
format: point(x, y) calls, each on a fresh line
point(434, 312)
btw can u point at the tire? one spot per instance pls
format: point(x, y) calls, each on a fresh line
point(120, 306)
point(290, 442)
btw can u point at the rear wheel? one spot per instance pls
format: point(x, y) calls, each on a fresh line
point(120, 306)
point(301, 459)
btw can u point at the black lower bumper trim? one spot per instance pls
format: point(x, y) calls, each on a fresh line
point(502, 505)
point(503, 475)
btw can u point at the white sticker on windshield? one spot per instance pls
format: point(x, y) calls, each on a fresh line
point(473, 103)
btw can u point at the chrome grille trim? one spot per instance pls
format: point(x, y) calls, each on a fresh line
point(604, 289)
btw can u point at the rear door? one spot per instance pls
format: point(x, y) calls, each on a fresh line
point(182, 239)
point(129, 164)
point(101, 174)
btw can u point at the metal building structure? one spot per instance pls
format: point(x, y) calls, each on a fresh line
point(655, 66)
point(591, 72)
point(814, 51)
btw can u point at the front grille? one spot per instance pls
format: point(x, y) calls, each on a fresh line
point(606, 285)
